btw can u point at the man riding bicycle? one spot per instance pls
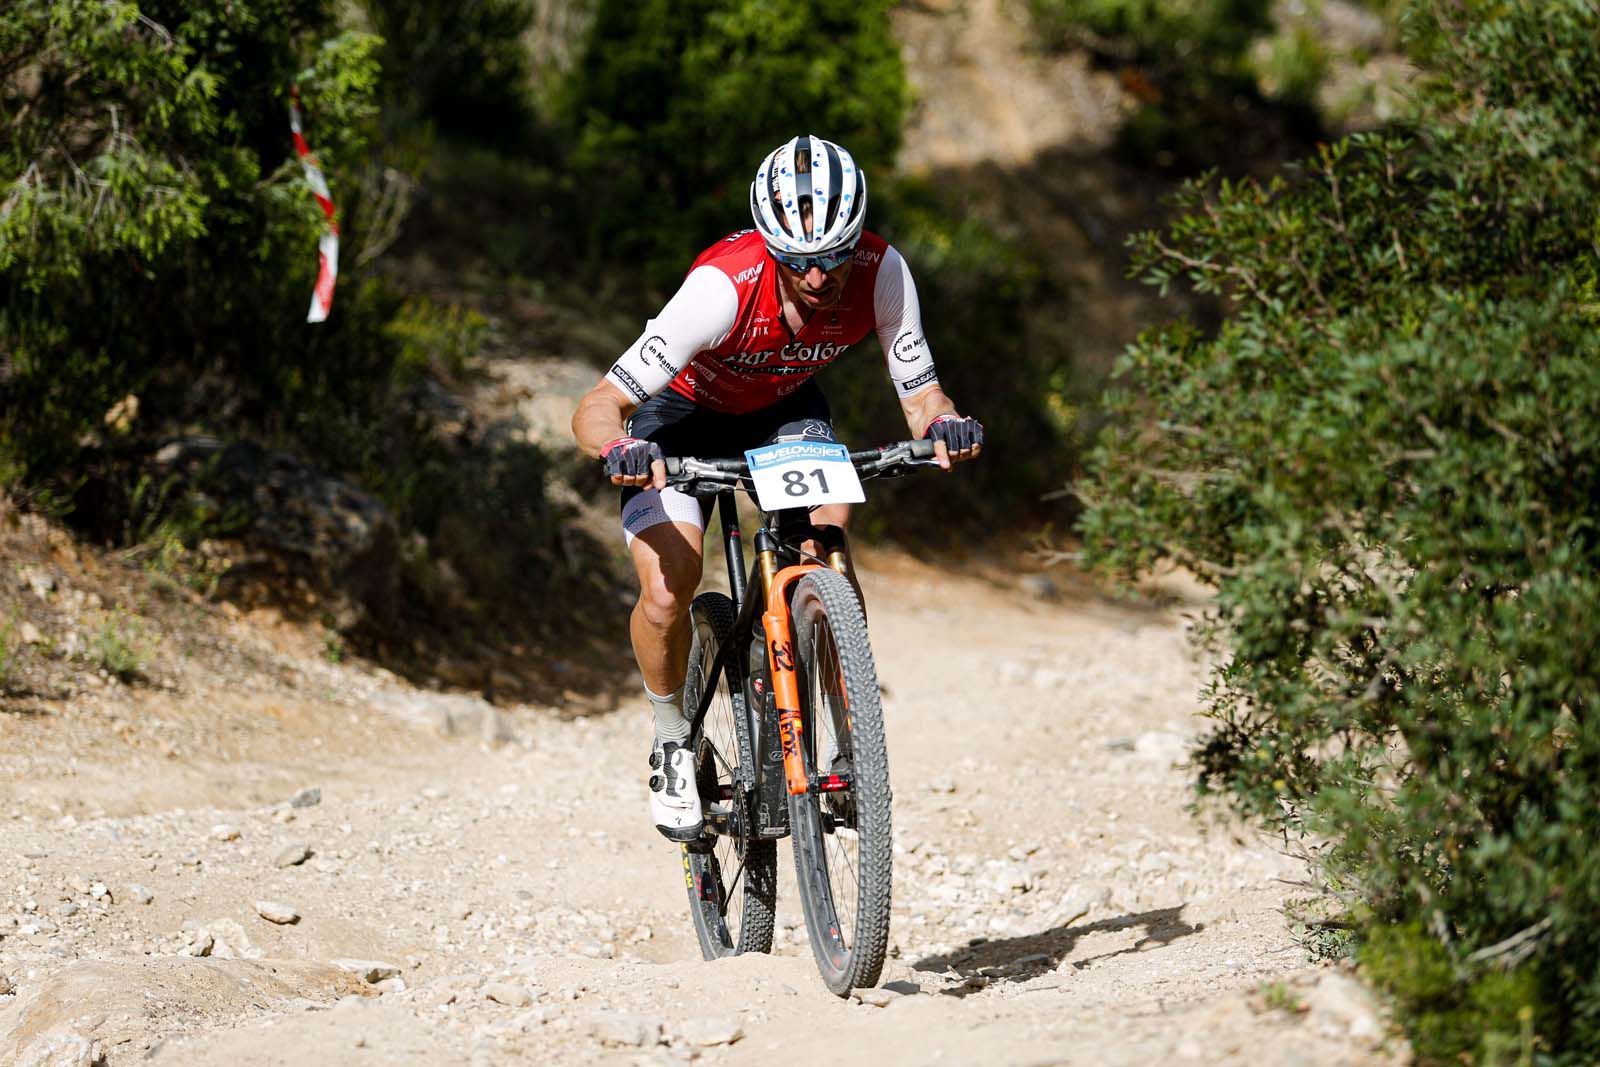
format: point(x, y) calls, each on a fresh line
point(726, 366)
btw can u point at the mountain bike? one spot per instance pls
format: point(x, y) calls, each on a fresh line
point(786, 725)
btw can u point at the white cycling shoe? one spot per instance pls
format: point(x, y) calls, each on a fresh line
point(674, 800)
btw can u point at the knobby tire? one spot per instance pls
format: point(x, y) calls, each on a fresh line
point(842, 840)
point(732, 879)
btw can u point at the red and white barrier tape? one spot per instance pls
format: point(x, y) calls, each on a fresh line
point(328, 244)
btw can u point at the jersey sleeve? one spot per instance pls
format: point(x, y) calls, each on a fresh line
point(699, 316)
point(899, 315)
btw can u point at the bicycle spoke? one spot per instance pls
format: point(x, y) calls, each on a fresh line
point(847, 903)
point(732, 887)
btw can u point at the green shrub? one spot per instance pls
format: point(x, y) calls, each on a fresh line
point(117, 648)
point(157, 239)
point(1206, 37)
point(462, 66)
point(1386, 461)
point(675, 103)
point(8, 651)
point(435, 340)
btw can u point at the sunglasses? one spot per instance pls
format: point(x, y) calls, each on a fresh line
point(825, 263)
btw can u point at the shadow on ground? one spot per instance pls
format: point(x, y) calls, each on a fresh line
point(1018, 959)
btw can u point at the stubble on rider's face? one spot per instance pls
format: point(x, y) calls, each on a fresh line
point(814, 289)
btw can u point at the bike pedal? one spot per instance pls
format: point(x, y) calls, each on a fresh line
point(701, 846)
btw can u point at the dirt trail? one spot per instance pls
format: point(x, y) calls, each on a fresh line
point(1053, 901)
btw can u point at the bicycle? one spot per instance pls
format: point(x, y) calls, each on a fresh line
point(786, 725)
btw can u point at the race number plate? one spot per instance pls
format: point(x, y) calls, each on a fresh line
point(803, 474)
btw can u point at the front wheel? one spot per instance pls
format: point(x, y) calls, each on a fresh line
point(731, 874)
point(841, 828)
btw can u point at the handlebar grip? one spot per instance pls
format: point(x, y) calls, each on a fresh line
point(922, 449)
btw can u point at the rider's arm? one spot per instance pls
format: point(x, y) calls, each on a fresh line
point(922, 409)
point(601, 417)
point(697, 317)
point(905, 349)
point(899, 319)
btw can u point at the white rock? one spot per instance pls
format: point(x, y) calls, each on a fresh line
point(224, 832)
point(292, 856)
point(873, 998)
point(1007, 877)
point(137, 894)
point(708, 1032)
point(231, 941)
point(200, 944)
point(494, 728)
point(1340, 1006)
point(595, 950)
point(370, 971)
point(275, 912)
point(630, 1031)
point(508, 993)
point(306, 798)
point(1161, 746)
point(59, 1048)
point(41, 581)
point(533, 1018)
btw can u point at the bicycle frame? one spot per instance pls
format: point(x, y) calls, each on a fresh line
point(765, 592)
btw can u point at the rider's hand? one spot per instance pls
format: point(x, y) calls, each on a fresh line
point(632, 461)
point(955, 438)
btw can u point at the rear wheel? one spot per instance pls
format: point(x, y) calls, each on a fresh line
point(732, 876)
point(842, 836)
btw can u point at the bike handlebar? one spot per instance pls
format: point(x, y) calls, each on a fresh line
point(871, 462)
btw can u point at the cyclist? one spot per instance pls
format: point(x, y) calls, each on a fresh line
point(726, 366)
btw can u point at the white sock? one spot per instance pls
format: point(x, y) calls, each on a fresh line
point(670, 723)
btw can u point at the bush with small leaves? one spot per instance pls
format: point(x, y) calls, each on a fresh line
point(1387, 461)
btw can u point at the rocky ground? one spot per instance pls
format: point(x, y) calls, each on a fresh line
point(254, 854)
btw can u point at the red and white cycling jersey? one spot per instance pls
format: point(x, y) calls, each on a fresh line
point(722, 340)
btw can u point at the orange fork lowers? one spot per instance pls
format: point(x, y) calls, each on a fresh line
point(785, 684)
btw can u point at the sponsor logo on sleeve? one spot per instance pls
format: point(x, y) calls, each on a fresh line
point(865, 256)
point(654, 350)
point(910, 346)
point(927, 376)
point(749, 274)
point(629, 383)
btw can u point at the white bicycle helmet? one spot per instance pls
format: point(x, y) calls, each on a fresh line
point(809, 169)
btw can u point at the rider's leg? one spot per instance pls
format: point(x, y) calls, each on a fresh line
point(837, 515)
point(830, 515)
point(667, 558)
